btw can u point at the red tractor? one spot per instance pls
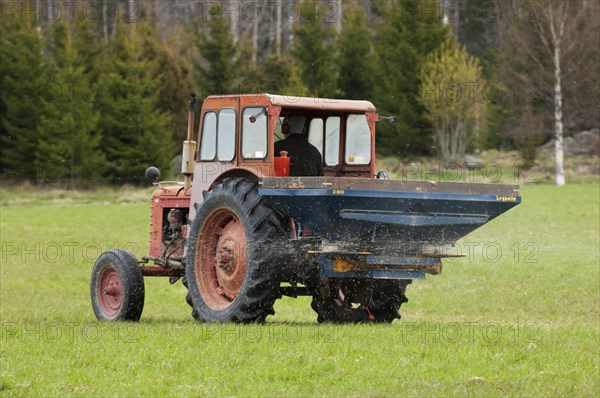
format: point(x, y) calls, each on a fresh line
point(244, 228)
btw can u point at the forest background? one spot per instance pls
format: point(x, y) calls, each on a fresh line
point(99, 88)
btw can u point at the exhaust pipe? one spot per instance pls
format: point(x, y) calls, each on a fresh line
point(189, 145)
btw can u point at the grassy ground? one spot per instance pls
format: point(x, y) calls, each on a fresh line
point(518, 316)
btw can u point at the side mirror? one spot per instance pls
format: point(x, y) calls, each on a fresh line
point(153, 174)
point(383, 175)
point(253, 118)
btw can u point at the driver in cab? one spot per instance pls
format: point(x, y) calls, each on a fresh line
point(305, 159)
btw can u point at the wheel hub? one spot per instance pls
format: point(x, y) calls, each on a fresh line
point(221, 260)
point(231, 266)
point(225, 259)
point(111, 291)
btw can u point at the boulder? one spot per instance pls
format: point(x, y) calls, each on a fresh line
point(570, 146)
point(582, 143)
point(176, 165)
point(589, 142)
point(471, 162)
point(548, 145)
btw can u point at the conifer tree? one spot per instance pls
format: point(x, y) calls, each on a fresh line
point(219, 55)
point(278, 75)
point(251, 79)
point(68, 139)
point(312, 51)
point(171, 71)
point(174, 91)
point(22, 70)
point(134, 130)
point(478, 28)
point(355, 58)
point(88, 41)
point(407, 33)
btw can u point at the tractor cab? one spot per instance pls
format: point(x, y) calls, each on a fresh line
point(237, 135)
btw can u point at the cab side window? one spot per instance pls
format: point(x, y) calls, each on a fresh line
point(218, 136)
point(254, 133)
point(208, 144)
point(226, 135)
point(332, 141)
point(315, 134)
point(330, 130)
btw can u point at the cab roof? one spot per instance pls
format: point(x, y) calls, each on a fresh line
point(308, 102)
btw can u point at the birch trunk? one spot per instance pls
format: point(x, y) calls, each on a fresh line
point(278, 28)
point(255, 39)
point(130, 10)
point(558, 123)
point(230, 13)
point(105, 21)
point(339, 14)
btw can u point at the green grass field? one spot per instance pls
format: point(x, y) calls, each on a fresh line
point(518, 316)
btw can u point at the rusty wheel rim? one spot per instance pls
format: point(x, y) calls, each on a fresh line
point(221, 258)
point(110, 291)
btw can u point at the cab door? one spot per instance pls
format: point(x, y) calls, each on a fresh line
point(217, 142)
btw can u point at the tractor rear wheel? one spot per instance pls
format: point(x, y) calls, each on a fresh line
point(117, 287)
point(188, 299)
point(360, 301)
point(231, 263)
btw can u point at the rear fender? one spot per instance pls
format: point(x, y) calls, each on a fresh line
point(207, 174)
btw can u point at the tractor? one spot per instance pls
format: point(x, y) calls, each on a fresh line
point(243, 229)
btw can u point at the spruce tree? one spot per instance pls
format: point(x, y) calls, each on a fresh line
point(22, 71)
point(171, 71)
point(278, 75)
point(312, 51)
point(478, 28)
point(134, 130)
point(175, 88)
point(88, 42)
point(250, 80)
point(408, 31)
point(218, 67)
point(355, 57)
point(68, 139)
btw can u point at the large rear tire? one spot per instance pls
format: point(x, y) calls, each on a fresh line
point(188, 299)
point(361, 301)
point(231, 262)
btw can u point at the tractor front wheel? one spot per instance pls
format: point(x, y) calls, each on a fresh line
point(117, 287)
point(231, 264)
